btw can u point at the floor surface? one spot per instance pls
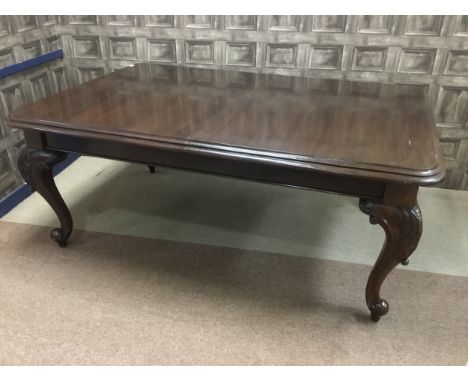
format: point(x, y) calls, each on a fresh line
point(122, 300)
point(121, 198)
point(178, 268)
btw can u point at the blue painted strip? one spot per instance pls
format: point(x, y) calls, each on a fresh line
point(15, 197)
point(39, 60)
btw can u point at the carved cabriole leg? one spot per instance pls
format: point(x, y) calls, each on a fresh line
point(403, 228)
point(36, 168)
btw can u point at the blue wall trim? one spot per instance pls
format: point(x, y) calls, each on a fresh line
point(39, 60)
point(15, 197)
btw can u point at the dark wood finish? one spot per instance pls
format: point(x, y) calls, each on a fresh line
point(403, 229)
point(256, 168)
point(378, 145)
point(36, 168)
point(151, 169)
point(387, 134)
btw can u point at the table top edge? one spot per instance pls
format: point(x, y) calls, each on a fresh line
point(429, 176)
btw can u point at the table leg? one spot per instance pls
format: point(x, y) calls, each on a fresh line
point(36, 168)
point(151, 168)
point(403, 228)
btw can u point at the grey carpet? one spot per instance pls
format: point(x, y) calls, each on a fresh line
point(110, 299)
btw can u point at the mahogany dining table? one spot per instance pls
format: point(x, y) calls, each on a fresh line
point(374, 141)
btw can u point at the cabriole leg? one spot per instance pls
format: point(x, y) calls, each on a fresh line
point(36, 168)
point(403, 228)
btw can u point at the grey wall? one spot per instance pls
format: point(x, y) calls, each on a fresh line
point(21, 38)
point(428, 50)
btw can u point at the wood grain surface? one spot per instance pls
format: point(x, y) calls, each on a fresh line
point(390, 136)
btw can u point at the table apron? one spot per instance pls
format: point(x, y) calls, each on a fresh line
point(227, 166)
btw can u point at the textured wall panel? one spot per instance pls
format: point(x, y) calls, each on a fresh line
point(450, 148)
point(4, 26)
point(284, 23)
point(369, 59)
point(461, 26)
point(453, 107)
point(60, 78)
point(162, 50)
point(89, 74)
point(199, 52)
point(242, 54)
point(123, 48)
point(247, 22)
point(416, 61)
point(424, 25)
point(22, 38)
point(431, 51)
point(199, 21)
point(159, 21)
point(4, 164)
point(120, 20)
point(281, 56)
point(325, 57)
point(25, 22)
point(6, 170)
point(40, 86)
point(375, 24)
point(83, 19)
point(12, 98)
point(457, 63)
point(7, 57)
point(31, 50)
point(53, 43)
point(45, 20)
point(464, 181)
point(328, 23)
point(86, 47)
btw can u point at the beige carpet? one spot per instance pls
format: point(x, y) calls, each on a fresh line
point(125, 199)
point(110, 299)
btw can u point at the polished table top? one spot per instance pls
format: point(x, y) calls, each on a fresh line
point(375, 129)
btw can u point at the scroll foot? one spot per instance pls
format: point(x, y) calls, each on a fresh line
point(57, 234)
point(36, 168)
point(378, 309)
point(403, 229)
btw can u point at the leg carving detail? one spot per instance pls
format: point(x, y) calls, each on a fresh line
point(403, 229)
point(36, 168)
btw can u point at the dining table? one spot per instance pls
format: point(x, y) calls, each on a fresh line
point(373, 141)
